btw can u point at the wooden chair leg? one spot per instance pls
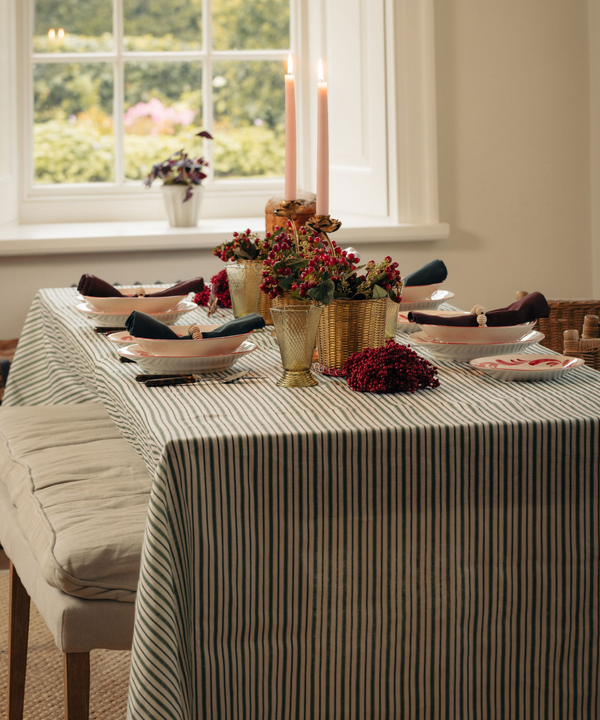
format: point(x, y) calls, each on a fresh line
point(18, 636)
point(77, 686)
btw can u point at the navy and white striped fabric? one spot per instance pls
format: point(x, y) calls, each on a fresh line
point(318, 553)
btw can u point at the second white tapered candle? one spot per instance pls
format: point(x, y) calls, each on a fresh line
point(322, 146)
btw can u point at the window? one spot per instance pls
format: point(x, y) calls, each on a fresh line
point(145, 78)
point(121, 84)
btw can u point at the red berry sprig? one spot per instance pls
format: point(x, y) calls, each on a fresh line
point(249, 244)
point(221, 285)
point(388, 369)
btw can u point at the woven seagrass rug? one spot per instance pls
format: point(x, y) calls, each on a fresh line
point(44, 689)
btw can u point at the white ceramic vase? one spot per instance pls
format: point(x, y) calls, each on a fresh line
point(182, 214)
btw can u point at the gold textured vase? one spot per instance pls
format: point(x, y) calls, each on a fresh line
point(349, 326)
point(296, 327)
point(244, 287)
point(264, 307)
point(264, 301)
point(391, 318)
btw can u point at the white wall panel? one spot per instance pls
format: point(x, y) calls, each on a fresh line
point(355, 47)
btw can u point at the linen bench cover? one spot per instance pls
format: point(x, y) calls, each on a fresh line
point(77, 625)
point(81, 497)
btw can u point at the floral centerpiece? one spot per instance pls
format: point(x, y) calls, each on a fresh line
point(182, 177)
point(301, 267)
point(308, 266)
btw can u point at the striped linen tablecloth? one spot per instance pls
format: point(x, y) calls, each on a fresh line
point(320, 553)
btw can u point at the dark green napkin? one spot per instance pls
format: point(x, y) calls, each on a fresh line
point(145, 326)
point(430, 274)
point(239, 326)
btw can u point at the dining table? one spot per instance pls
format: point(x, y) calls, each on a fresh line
point(324, 553)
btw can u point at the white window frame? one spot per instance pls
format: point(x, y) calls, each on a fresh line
point(396, 50)
point(42, 202)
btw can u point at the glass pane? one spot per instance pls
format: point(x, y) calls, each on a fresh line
point(73, 123)
point(158, 25)
point(163, 102)
point(73, 26)
point(249, 118)
point(251, 24)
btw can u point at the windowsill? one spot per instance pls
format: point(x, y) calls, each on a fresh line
point(109, 237)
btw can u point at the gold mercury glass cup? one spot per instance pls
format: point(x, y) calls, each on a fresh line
point(296, 327)
point(244, 287)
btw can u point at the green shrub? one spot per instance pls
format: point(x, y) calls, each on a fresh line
point(83, 152)
point(65, 153)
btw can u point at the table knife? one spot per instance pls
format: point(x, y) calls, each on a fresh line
point(167, 380)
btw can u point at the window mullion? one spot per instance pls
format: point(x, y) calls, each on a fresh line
point(118, 89)
point(207, 99)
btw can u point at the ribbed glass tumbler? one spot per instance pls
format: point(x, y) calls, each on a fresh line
point(244, 287)
point(296, 328)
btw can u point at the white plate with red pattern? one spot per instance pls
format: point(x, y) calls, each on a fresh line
point(526, 367)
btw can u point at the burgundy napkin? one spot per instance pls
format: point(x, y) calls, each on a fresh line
point(93, 286)
point(529, 308)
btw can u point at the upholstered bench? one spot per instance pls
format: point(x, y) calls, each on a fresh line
point(73, 504)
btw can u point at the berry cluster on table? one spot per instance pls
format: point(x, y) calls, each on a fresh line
point(390, 368)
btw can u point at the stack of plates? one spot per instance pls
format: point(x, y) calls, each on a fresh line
point(184, 356)
point(424, 297)
point(185, 364)
point(113, 311)
point(449, 342)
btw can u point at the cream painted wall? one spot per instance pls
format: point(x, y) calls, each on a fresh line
point(513, 129)
point(20, 278)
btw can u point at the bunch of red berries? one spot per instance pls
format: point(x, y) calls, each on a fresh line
point(244, 246)
point(388, 369)
point(221, 285)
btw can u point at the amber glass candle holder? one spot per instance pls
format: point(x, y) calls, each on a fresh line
point(296, 328)
point(244, 287)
